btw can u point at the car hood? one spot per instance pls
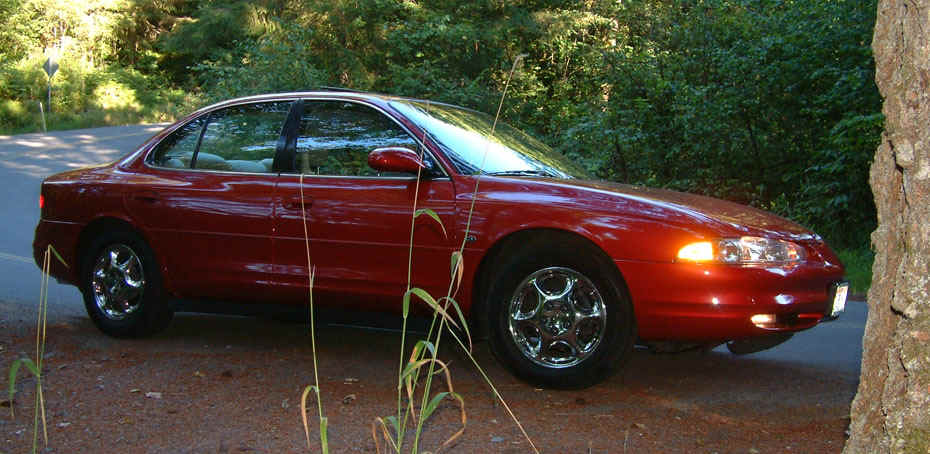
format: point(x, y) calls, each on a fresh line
point(729, 217)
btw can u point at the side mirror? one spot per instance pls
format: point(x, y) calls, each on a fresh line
point(395, 159)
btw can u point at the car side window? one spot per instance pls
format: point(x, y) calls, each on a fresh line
point(176, 150)
point(335, 137)
point(242, 138)
point(237, 139)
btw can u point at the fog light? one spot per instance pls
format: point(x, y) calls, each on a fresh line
point(762, 320)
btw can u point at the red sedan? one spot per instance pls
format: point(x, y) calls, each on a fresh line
point(562, 273)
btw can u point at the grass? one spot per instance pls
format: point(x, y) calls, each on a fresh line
point(35, 366)
point(858, 268)
point(91, 118)
point(416, 374)
point(101, 97)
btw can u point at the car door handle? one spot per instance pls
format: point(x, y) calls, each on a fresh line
point(145, 197)
point(294, 204)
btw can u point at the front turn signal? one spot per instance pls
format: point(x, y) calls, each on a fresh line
point(702, 251)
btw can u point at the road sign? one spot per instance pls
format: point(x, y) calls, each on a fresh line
point(50, 66)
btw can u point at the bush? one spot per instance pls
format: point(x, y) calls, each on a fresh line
point(13, 115)
point(86, 96)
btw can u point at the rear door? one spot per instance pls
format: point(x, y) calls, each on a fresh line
point(358, 221)
point(209, 208)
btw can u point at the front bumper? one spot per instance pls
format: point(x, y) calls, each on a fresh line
point(702, 303)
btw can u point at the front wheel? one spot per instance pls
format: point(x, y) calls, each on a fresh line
point(122, 286)
point(560, 317)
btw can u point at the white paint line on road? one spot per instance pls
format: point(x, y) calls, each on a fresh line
point(15, 258)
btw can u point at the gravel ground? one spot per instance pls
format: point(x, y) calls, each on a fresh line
point(226, 384)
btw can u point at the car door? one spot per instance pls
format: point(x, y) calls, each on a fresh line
point(209, 206)
point(358, 221)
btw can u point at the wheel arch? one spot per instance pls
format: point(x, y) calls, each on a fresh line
point(102, 224)
point(487, 267)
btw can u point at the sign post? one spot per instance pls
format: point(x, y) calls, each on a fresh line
point(50, 67)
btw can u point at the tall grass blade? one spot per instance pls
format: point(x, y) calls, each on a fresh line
point(35, 366)
point(419, 347)
point(432, 303)
point(429, 406)
point(497, 394)
point(487, 148)
point(433, 403)
point(406, 308)
point(385, 432)
point(324, 438)
point(431, 214)
point(406, 311)
point(464, 419)
point(303, 415)
point(57, 255)
point(458, 270)
point(40, 356)
point(316, 378)
point(449, 301)
point(471, 211)
point(414, 366)
point(14, 371)
point(408, 375)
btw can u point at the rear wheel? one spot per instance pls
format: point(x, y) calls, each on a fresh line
point(122, 286)
point(559, 315)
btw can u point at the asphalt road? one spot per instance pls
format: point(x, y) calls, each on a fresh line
point(24, 161)
point(834, 348)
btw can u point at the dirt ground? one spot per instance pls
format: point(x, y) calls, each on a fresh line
point(225, 384)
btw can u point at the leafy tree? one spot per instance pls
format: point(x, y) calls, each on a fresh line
point(766, 102)
point(760, 102)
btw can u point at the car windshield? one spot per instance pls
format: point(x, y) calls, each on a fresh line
point(465, 137)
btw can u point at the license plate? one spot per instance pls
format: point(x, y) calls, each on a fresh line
point(839, 298)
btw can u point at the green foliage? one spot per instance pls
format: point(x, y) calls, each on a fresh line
point(858, 264)
point(212, 33)
point(14, 372)
point(765, 102)
point(278, 61)
point(769, 103)
point(834, 197)
point(83, 96)
point(93, 86)
point(35, 366)
point(324, 421)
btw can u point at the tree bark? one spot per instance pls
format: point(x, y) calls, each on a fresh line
point(891, 411)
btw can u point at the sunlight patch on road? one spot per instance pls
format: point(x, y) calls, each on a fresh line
point(30, 143)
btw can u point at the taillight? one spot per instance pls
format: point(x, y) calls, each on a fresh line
point(41, 201)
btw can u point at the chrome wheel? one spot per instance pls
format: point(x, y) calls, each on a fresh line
point(557, 317)
point(118, 282)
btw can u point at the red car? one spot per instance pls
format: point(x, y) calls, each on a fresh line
point(562, 273)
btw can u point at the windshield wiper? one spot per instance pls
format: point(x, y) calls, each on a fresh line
point(522, 173)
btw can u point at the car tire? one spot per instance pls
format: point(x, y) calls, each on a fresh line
point(122, 286)
point(559, 313)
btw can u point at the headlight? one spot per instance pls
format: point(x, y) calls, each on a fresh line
point(748, 250)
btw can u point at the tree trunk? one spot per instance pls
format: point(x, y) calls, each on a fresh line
point(891, 411)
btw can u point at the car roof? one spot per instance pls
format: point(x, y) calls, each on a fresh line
point(348, 94)
point(322, 92)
